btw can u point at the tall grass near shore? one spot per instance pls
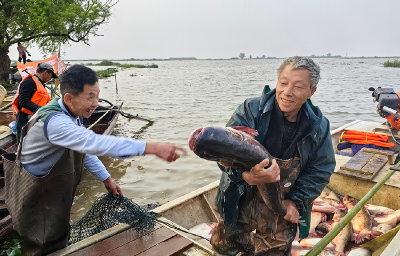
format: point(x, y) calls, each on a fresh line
point(392, 64)
point(111, 63)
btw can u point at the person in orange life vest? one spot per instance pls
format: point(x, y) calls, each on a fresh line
point(32, 95)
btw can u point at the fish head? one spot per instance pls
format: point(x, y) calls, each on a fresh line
point(337, 204)
point(338, 216)
point(323, 228)
point(207, 142)
point(194, 138)
point(348, 200)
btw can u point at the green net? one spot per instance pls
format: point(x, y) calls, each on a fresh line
point(108, 211)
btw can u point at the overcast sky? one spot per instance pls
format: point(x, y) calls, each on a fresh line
point(225, 28)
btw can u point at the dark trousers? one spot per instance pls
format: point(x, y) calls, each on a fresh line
point(22, 58)
point(273, 236)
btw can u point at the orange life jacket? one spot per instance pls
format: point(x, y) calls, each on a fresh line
point(41, 97)
point(357, 137)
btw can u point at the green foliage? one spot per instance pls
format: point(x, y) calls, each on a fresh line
point(107, 63)
point(393, 64)
point(50, 22)
point(106, 73)
point(8, 87)
point(11, 248)
point(142, 66)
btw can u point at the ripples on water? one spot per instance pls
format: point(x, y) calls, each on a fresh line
point(181, 96)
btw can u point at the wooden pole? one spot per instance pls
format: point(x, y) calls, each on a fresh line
point(350, 215)
point(56, 81)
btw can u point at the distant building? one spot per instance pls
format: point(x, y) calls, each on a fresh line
point(182, 58)
point(234, 58)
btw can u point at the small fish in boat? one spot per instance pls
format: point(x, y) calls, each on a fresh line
point(390, 219)
point(327, 253)
point(237, 146)
point(310, 243)
point(203, 229)
point(376, 209)
point(384, 228)
point(324, 227)
point(327, 193)
point(362, 222)
point(316, 218)
point(302, 252)
point(359, 252)
point(343, 238)
point(327, 205)
point(397, 213)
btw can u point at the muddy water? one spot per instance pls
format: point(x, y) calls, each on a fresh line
point(181, 96)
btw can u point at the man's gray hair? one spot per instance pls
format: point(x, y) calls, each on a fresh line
point(303, 62)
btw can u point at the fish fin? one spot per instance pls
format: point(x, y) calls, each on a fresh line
point(247, 130)
point(376, 233)
point(364, 234)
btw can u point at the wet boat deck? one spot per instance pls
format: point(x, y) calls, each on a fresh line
point(157, 241)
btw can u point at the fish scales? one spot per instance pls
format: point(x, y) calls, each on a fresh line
point(343, 238)
point(232, 146)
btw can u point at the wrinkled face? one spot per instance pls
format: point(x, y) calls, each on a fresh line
point(292, 90)
point(85, 103)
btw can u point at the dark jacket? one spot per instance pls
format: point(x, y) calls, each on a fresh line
point(317, 159)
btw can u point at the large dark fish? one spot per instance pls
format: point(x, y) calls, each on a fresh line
point(236, 146)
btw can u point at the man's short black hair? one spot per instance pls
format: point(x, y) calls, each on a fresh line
point(74, 78)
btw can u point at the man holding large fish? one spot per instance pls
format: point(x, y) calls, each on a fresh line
point(268, 183)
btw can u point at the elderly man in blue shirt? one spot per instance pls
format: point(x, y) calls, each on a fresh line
point(55, 147)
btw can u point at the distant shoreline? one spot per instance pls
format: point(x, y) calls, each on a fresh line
point(316, 57)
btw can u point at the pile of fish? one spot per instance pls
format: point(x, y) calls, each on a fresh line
point(370, 222)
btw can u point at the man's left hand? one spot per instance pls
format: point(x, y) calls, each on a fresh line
point(292, 213)
point(112, 186)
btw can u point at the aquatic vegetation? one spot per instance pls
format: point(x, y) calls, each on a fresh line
point(106, 72)
point(111, 63)
point(138, 66)
point(392, 64)
point(107, 63)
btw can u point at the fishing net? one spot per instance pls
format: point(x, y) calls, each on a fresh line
point(108, 211)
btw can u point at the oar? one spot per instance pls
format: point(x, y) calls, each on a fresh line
point(127, 115)
point(350, 215)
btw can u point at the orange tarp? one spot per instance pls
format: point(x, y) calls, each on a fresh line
point(30, 67)
point(357, 137)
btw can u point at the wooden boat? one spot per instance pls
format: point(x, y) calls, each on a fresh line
point(197, 207)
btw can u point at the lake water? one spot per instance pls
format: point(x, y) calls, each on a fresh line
point(181, 96)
